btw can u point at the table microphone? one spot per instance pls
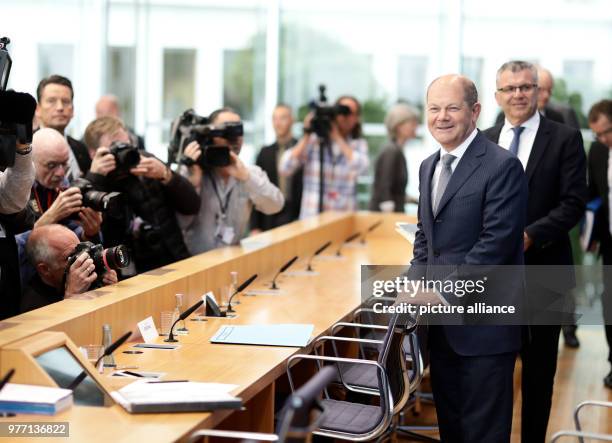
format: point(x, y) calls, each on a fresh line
point(108, 351)
point(282, 269)
point(370, 229)
point(348, 240)
point(317, 252)
point(183, 316)
point(240, 288)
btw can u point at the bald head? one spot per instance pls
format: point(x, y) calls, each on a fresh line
point(48, 249)
point(545, 87)
point(107, 106)
point(50, 153)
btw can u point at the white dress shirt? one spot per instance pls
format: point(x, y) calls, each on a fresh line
point(458, 153)
point(527, 137)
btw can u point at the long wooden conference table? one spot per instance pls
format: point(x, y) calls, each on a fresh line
point(322, 300)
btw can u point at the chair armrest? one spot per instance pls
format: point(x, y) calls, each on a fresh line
point(385, 395)
point(604, 404)
point(357, 326)
point(580, 435)
point(231, 434)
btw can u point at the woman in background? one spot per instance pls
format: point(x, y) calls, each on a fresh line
point(391, 171)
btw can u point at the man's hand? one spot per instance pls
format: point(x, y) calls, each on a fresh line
point(91, 221)
point(103, 162)
point(110, 278)
point(237, 169)
point(81, 275)
point(66, 203)
point(420, 298)
point(193, 151)
point(152, 167)
point(527, 241)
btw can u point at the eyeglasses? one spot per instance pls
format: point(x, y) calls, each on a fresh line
point(600, 135)
point(527, 87)
point(54, 165)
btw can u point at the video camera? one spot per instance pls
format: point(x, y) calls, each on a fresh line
point(16, 112)
point(324, 115)
point(104, 260)
point(189, 127)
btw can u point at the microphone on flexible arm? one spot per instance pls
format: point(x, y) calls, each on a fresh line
point(282, 269)
point(370, 229)
point(348, 240)
point(108, 351)
point(240, 288)
point(181, 317)
point(317, 252)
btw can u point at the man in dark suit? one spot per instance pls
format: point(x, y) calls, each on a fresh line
point(600, 122)
point(55, 110)
point(554, 161)
point(268, 159)
point(472, 204)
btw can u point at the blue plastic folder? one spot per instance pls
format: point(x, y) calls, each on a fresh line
point(294, 335)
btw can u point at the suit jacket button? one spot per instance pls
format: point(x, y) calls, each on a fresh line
point(436, 253)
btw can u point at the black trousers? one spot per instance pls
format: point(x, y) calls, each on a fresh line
point(539, 358)
point(473, 395)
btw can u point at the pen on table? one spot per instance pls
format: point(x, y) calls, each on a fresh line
point(168, 381)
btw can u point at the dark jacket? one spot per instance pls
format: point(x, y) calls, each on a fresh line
point(80, 153)
point(390, 178)
point(267, 159)
point(38, 294)
point(556, 174)
point(479, 223)
point(157, 239)
point(598, 187)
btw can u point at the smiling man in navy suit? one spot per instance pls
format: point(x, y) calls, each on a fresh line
point(472, 209)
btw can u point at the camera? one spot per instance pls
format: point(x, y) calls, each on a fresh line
point(190, 127)
point(16, 112)
point(126, 158)
point(324, 115)
point(108, 202)
point(104, 260)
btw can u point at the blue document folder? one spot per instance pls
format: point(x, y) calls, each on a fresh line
point(295, 335)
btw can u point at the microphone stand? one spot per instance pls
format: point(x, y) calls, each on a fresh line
point(240, 288)
point(282, 269)
point(370, 229)
point(348, 240)
point(183, 316)
point(317, 252)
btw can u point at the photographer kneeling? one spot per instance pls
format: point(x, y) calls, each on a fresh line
point(228, 193)
point(51, 249)
point(152, 196)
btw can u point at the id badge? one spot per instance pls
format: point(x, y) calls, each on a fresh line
point(227, 235)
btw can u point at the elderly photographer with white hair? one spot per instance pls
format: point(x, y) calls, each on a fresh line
point(391, 171)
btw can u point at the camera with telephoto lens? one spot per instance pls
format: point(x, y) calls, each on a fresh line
point(104, 260)
point(107, 202)
point(126, 158)
point(324, 114)
point(190, 127)
point(16, 112)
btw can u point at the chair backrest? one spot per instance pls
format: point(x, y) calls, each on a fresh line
point(393, 358)
point(294, 420)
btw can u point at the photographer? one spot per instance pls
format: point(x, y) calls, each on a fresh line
point(152, 196)
point(346, 158)
point(228, 193)
point(48, 249)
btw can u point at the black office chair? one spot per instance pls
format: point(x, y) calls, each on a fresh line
point(579, 433)
point(294, 420)
point(354, 421)
point(369, 324)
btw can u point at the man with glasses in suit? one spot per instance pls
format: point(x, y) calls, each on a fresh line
point(553, 157)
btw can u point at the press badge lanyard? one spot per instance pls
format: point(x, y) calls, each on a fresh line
point(223, 206)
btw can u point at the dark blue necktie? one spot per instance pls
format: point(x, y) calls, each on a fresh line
point(516, 139)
